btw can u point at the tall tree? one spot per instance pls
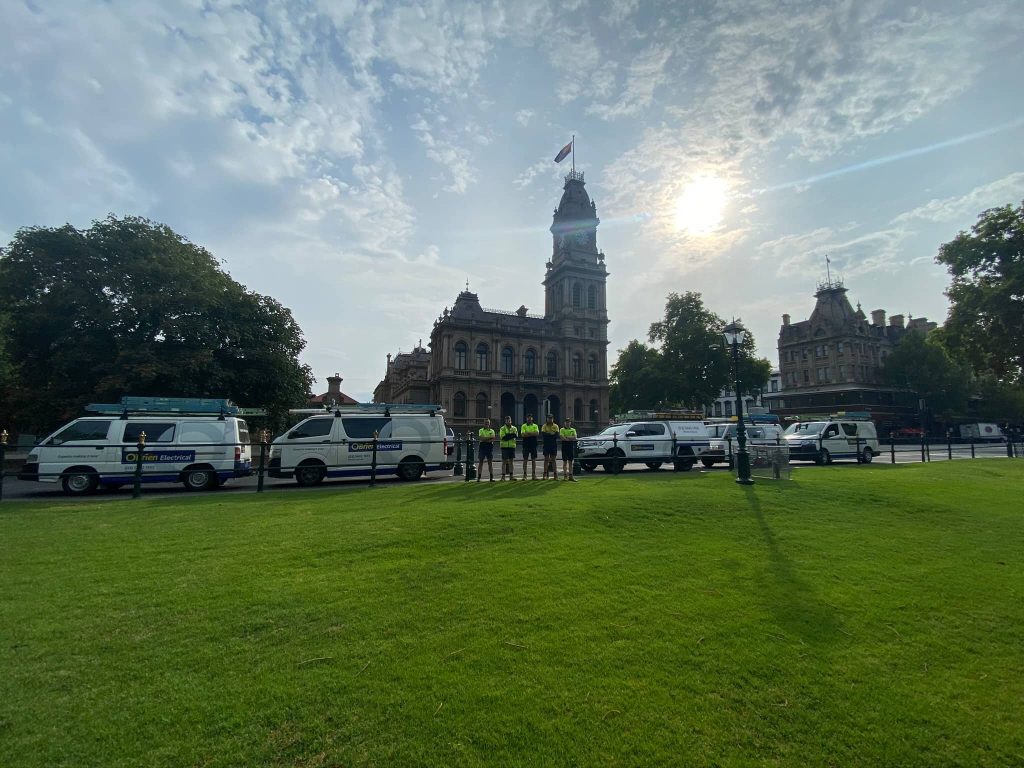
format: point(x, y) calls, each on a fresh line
point(697, 364)
point(128, 306)
point(924, 366)
point(986, 315)
point(638, 379)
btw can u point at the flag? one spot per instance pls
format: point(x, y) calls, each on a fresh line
point(563, 152)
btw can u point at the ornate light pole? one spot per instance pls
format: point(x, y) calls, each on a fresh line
point(734, 334)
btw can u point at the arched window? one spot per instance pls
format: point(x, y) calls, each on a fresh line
point(461, 353)
point(481, 406)
point(577, 296)
point(530, 361)
point(592, 367)
point(552, 364)
point(592, 297)
point(481, 356)
point(508, 357)
point(595, 411)
point(577, 410)
point(577, 366)
point(459, 404)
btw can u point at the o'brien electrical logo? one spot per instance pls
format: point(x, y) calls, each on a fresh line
point(129, 456)
point(381, 446)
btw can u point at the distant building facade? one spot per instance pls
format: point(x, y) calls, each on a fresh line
point(832, 361)
point(725, 404)
point(492, 363)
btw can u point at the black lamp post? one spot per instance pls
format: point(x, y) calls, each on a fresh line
point(734, 335)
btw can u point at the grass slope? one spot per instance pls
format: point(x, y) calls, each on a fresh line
point(854, 616)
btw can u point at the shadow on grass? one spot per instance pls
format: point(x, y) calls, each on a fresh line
point(508, 489)
point(791, 598)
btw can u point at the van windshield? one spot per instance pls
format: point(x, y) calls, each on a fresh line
point(618, 429)
point(806, 428)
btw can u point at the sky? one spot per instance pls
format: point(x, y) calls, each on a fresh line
point(361, 161)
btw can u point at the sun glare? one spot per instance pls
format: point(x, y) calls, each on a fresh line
point(701, 205)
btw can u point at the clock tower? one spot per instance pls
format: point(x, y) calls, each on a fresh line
point(574, 284)
point(575, 299)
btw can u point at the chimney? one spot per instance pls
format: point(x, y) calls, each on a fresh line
point(878, 317)
point(896, 321)
point(785, 319)
point(334, 384)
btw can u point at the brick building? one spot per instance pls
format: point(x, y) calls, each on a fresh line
point(499, 362)
point(832, 361)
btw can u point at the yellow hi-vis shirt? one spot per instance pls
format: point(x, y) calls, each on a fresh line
point(508, 436)
point(530, 430)
point(567, 433)
point(486, 435)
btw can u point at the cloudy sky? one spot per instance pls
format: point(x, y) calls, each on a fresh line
point(360, 160)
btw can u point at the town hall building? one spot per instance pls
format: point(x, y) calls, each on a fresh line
point(492, 363)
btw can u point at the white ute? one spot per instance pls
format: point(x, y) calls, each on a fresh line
point(651, 438)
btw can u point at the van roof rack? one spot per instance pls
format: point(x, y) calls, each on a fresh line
point(671, 414)
point(385, 409)
point(158, 406)
point(748, 418)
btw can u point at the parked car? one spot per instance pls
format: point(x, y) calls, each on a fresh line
point(340, 443)
point(197, 442)
point(834, 438)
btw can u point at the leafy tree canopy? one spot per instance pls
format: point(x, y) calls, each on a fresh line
point(926, 367)
point(128, 306)
point(689, 366)
point(986, 316)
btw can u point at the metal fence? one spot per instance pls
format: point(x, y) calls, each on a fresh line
point(770, 462)
point(138, 465)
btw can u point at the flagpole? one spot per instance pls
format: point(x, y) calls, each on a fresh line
point(573, 142)
point(828, 269)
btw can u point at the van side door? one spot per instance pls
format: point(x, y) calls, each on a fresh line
point(355, 449)
point(160, 458)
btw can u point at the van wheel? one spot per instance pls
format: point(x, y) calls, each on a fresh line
point(79, 482)
point(410, 469)
point(709, 463)
point(654, 465)
point(683, 465)
point(868, 455)
point(823, 457)
point(588, 466)
point(615, 463)
point(310, 474)
point(200, 478)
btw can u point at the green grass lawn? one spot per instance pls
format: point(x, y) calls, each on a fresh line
point(855, 616)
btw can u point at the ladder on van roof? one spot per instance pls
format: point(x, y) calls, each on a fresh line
point(161, 406)
point(385, 409)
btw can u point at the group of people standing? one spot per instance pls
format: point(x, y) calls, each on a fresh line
point(549, 433)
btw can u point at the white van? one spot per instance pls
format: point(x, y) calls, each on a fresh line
point(651, 442)
point(411, 440)
point(838, 437)
point(722, 438)
point(187, 444)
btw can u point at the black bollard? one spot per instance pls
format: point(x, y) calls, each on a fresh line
point(949, 444)
point(3, 457)
point(457, 471)
point(137, 487)
point(470, 467)
point(373, 461)
point(263, 461)
point(892, 447)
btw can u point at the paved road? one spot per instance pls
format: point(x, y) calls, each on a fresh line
point(25, 491)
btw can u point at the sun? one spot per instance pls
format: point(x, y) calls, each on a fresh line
point(701, 205)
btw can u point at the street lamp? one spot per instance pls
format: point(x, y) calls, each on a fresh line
point(734, 334)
